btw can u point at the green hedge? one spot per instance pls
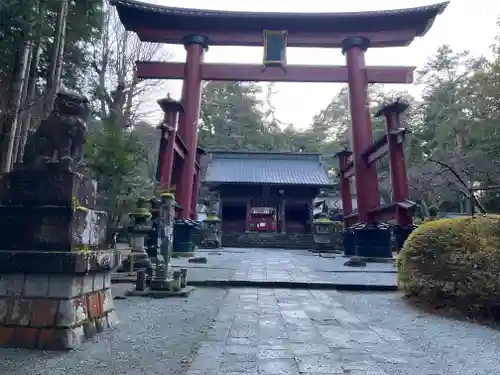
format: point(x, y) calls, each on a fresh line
point(454, 263)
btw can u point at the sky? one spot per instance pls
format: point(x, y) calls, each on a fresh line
point(465, 25)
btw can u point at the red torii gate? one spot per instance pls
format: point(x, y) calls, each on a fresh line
point(354, 33)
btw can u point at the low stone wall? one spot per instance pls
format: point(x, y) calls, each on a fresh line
point(54, 301)
point(54, 312)
point(268, 240)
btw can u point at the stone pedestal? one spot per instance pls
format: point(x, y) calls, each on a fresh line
point(401, 234)
point(54, 274)
point(54, 301)
point(349, 242)
point(373, 241)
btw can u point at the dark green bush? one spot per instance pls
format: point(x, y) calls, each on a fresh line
point(454, 262)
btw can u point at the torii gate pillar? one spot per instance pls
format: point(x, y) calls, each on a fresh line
point(188, 127)
point(366, 180)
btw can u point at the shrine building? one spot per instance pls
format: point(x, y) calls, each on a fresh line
point(265, 197)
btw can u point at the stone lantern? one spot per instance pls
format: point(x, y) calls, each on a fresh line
point(211, 231)
point(323, 229)
point(140, 227)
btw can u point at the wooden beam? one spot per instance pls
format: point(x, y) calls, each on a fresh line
point(349, 171)
point(384, 213)
point(350, 220)
point(391, 211)
point(180, 147)
point(378, 39)
point(292, 73)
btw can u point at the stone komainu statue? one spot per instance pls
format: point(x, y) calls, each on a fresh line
point(61, 136)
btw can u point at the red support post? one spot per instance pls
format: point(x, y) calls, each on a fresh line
point(171, 109)
point(196, 185)
point(399, 178)
point(191, 97)
point(194, 197)
point(345, 184)
point(366, 180)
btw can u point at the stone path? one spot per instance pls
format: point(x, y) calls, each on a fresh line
point(258, 265)
point(284, 332)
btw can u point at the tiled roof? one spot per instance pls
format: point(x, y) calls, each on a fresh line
point(162, 9)
point(266, 168)
point(142, 14)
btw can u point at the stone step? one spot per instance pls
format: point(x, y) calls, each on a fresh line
point(273, 240)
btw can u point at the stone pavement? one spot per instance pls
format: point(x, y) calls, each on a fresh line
point(284, 266)
point(291, 332)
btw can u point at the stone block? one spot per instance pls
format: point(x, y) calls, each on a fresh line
point(72, 312)
point(106, 281)
point(88, 284)
point(11, 285)
point(4, 308)
point(64, 286)
point(19, 314)
point(44, 228)
point(112, 319)
point(49, 262)
point(50, 228)
point(57, 339)
point(106, 300)
point(50, 187)
point(86, 192)
point(36, 286)
point(6, 335)
point(98, 284)
point(61, 319)
point(89, 229)
point(24, 337)
point(90, 329)
point(94, 306)
point(44, 313)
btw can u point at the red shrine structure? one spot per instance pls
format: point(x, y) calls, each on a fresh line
point(353, 33)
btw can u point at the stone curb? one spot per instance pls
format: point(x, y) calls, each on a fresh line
point(293, 285)
point(277, 285)
point(185, 292)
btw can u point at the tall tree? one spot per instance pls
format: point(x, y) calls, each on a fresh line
point(232, 117)
point(115, 88)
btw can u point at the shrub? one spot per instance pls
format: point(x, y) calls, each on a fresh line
point(454, 263)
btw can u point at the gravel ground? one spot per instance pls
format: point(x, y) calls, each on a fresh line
point(465, 348)
point(155, 336)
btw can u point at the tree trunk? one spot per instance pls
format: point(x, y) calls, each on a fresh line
point(23, 104)
point(54, 73)
point(10, 125)
point(30, 97)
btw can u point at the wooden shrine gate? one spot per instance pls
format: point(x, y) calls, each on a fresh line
point(354, 33)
